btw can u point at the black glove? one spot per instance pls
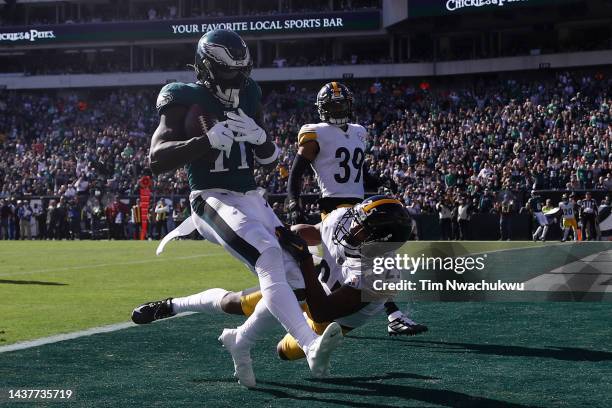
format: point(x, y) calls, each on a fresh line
point(294, 209)
point(292, 243)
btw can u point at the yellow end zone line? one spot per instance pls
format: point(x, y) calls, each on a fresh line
point(103, 265)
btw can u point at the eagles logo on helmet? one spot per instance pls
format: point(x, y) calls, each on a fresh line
point(223, 64)
point(335, 103)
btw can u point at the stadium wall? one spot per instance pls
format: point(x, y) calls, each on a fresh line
point(566, 60)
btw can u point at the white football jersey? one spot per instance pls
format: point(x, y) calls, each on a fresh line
point(338, 166)
point(567, 209)
point(343, 268)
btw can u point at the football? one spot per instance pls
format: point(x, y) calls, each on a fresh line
point(198, 121)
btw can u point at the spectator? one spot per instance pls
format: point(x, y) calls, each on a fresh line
point(24, 213)
point(463, 218)
point(161, 218)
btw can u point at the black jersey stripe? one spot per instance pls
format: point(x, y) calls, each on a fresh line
point(247, 251)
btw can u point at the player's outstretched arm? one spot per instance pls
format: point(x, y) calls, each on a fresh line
point(307, 152)
point(170, 147)
point(323, 308)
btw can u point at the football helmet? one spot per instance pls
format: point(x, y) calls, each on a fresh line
point(223, 64)
point(378, 219)
point(335, 103)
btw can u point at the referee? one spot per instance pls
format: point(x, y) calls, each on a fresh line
point(588, 215)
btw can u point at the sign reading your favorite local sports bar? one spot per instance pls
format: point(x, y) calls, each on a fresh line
point(187, 28)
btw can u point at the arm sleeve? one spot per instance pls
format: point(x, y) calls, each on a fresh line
point(295, 176)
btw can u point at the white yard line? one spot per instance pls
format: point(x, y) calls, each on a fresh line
point(74, 335)
point(103, 265)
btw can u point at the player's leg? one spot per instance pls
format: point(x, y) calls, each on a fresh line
point(566, 228)
point(238, 342)
point(289, 349)
point(215, 300)
point(245, 226)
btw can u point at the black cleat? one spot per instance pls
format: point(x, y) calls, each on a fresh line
point(149, 312)
point(403, 326)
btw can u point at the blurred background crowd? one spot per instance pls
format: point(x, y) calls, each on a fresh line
point(470, 142)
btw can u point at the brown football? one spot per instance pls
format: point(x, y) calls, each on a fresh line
point(198, 122)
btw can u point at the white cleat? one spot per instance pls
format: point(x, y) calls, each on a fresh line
point(243, 365)
point(319, 352)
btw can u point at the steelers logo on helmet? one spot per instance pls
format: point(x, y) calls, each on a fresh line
point(223, 64)
point(335, 103)
point(378, 219)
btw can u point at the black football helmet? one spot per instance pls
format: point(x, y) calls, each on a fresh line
point(378, 219)
point(335, 103)
point(223, 64)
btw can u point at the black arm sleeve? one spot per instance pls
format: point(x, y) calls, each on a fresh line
point(295, 176)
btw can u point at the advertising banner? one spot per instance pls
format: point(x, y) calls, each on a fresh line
point(427, 8)
point(190, 28)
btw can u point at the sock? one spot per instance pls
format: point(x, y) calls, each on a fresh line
point(258, 323)
point(544, 232)
point(565, 233)
point(279, 297)
point(208, 301)
point(391, 307)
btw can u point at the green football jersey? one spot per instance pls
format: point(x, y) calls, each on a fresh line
point(234, 173)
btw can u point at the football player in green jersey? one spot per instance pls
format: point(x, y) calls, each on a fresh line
point(228, 209)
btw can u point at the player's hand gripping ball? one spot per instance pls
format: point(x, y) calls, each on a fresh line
point(199, 123)
point(245, 127)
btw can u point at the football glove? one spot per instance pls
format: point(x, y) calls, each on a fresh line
point(292, 243)
point(220, 137)
point(294, 209)
point(246, 128)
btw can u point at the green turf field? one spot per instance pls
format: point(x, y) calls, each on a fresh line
point(479, 354)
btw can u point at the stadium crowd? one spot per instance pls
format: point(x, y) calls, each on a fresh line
point(466, 145)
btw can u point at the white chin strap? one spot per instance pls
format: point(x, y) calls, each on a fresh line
point(228, 97)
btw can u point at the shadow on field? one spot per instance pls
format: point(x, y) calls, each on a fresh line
point(558, 353)
point(379, 387)
point(25, 282)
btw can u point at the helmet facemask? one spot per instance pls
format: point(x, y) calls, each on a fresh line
point(223, 73)
point(335, 104)
point(336, 112)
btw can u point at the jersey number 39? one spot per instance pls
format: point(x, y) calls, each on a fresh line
point(345, 164)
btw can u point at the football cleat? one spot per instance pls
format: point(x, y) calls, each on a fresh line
point(243, 365)
point(149, 312)
point(319, 352)
point(404, 326)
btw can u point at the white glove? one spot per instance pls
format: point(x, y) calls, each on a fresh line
point(246, 128)
point(220, 137)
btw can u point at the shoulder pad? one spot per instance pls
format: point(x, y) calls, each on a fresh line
point(253, 87)
point(307, 133)
point(172, 93)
